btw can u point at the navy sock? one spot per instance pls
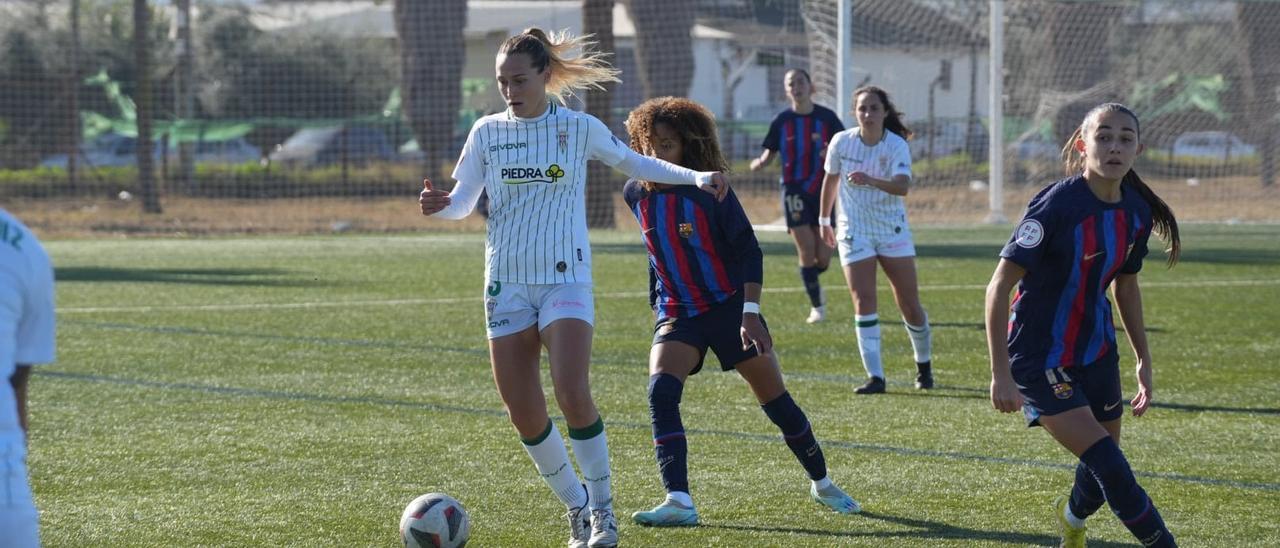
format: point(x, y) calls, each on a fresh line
point(1127, 499)
point(1086, 494)
point(668, 432)
point(784, 412)
point(811, 286)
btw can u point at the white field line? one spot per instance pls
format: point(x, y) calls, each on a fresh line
point(617, 295)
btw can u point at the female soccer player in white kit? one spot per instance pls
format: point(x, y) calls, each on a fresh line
point(869, 167)
point(26, 338)
point(532, 161)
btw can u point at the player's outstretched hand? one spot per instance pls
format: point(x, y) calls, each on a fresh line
point(431, 200)
point(754, 332)
point(718, 185)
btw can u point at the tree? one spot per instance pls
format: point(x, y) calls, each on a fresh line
point(432, 52)
point(1258, 22)
point(142, 60)
point(1076, 52)
point(664, 45)
point(597, 19)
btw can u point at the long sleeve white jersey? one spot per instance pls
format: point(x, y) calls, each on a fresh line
point(535, 171)
point(867, 211)
point(26, 315)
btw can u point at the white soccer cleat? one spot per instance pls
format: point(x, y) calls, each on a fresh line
point(579, 526)
point(604, 529)
point(817, 314)
point(668, 514)
point(832, 497)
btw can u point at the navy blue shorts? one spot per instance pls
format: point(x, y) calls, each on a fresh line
point(718, 329)
point(799, 207)
point(1048, 392)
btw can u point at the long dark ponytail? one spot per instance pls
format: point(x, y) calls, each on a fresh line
point(1165, 224)
point(892, 118)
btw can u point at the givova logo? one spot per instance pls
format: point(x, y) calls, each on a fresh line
point(523, 175)
point(508, 146)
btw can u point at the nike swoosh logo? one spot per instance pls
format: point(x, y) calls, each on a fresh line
point(1110, 407)
point(1091, 256)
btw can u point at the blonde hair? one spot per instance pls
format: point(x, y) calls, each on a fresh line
point(589, 70)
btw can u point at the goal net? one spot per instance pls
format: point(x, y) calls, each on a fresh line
point(315, 116)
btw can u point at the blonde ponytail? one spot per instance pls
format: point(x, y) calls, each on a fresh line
point(569, 75)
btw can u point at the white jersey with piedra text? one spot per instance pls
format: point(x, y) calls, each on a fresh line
point(535, 172)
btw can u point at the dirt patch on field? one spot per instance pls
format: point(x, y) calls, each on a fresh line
point(1214, 200)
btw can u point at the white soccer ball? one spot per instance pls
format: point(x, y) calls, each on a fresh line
point(435, 520)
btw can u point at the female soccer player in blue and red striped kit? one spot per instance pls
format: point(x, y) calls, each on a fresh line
point(800, 136)
point(705, 274)
point(1056, 357)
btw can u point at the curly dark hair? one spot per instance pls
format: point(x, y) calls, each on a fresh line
point(695, 125)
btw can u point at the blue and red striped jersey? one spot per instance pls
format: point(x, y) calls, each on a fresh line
point(1072, 245)
point(801, 140)
point(701, 251)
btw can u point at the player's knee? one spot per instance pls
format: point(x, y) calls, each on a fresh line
point(575, 401)
point(664, 391)
point(1109, 465)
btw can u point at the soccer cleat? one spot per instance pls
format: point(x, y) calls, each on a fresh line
point(604, 529)
point(832, 497)
point(668, 514)
point(1072, 537)
point(924, 375)
point(817, 314)
point(874, 385)
point(579, 526)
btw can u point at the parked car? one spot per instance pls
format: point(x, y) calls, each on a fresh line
point(1218, 145)
point(329, 145)
point(115, 150)
point(1035, 148)
point(949, 137)
point(230, 151)
point(107, 150)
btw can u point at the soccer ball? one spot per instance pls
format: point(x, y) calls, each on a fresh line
point(435, 520)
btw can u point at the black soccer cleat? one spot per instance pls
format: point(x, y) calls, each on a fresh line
point(924, 376)
point(874, 385)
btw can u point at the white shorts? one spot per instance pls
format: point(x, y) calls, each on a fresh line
point(512, 307)
point(19, 522)
point(859, 248)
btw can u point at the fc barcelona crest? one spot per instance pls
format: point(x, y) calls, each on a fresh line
point(686, 230)
point(1062, 391)
point(562, 138)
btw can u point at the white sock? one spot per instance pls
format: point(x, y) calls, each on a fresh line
point(823, 483)
point(921, 340)
point(1071, 518)
point(680, 497)
point(869, 343)
point(552, 461)
point(592, 455)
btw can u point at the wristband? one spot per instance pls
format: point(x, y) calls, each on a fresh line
point(751, 308)
point(824, 221)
